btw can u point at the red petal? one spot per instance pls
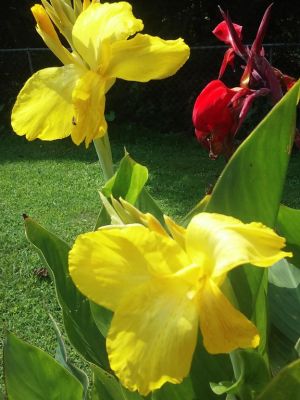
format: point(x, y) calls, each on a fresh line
point(228, 59)
point(257, 44)
point(213, 117)
point(222, 32)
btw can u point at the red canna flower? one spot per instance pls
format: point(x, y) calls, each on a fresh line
point(258, 72)
point(218, 113)
point(213, 118)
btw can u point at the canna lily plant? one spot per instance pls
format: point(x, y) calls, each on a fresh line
point(216, 129)
point(161, 288)
point(104, 45)
point(205, 308)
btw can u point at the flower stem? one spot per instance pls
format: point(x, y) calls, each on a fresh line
point(103, 151)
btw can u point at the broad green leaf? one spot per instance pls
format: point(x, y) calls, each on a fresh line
point(169, 391)
point(146, 203)
point(62, 358)
point(79, 324)
point(284, 298)
point(282, 350)
point(102, 317)
point(208, 368)
point(252, 375)
point(196, 210)
point(107, 387)
point(285, 385)
point(102, 219)
point(288, 226)
point(284, 306)
point(128, 181)
point(297, 347)
point(250, 188)
point(30, 373)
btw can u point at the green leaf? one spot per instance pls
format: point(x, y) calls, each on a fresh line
point(107, 387)
point(288, 226)
point(62, 358)
point(30, 373)
point(128, 181)
point(102, 317)
point(200, 207)
point(102, 219)
point(208, 368)
point(250, 188)
point(181, 391)
point(297, 347)
point(285, 385)
point(282, 350)
point(284, 295)
point(252, 375)
point(79, 324)
point(284, 306)
point(146, 203)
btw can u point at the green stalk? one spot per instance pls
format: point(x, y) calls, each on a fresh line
point(103, 151)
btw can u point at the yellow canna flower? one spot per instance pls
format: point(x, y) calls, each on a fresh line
point(161, 289)
point(70, 100)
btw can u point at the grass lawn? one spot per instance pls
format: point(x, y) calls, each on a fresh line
point(56, 184)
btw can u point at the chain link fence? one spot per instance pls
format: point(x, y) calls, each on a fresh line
point(164, 105)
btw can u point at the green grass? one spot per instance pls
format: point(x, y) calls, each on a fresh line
point(56, 184)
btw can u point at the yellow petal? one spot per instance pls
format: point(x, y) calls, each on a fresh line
point(153, 336)
point(43, 21)
point(103, 23)
point(147, 57)
point(62, 15)
point(223, 327)
point(89, 104)
point(46, 30)
point(108, 264)
point(44, 105)
point(86, 4)
point(146, 219)
point(221, 243)
point(178, 232)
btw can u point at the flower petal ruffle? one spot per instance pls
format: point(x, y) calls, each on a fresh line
point(108, 264)
point(100, 25)
point(223, 328)
point(153, 336)
point(146, 57)
point(43, 108)
point(88, 99)
point(224, 243)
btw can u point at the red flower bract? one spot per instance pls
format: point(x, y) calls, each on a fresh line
point(213, 117)
point(222, 32)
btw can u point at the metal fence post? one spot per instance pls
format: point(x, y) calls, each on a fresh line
point(29, 61)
